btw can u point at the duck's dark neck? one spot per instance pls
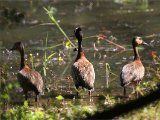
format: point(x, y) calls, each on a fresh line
point(22, 59)
point(79, 48)
point(79, 45)
point(136, 54)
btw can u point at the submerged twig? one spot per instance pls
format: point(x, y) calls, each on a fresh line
point(93, 36)
point(43, 24)
point(115, 44)
point(46, 48)
point(116, 54)
point(47, 24)
point(103, 37)
point(152, 35)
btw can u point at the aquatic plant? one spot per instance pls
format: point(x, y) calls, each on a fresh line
point(107, 74)
point(31, 60)
point(50, 14)
point(46, 57)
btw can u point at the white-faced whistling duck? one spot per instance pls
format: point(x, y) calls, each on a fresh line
point(29, 79)
point(82, 70)
point(133, 72)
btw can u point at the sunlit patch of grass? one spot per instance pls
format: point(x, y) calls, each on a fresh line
point(66, 111)
point(150, 112)
point(109, 100)
point(6, 86)
point(22, 112)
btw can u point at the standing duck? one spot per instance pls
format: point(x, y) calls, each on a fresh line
point(29, 79)
point(133, 73)
point(82, 70)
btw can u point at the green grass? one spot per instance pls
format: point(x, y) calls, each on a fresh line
point(67, 111)
point(150, 112)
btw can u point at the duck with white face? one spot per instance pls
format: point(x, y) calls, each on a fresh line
point(133, 73)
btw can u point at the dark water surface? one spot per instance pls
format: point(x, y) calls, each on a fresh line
point(116, 19)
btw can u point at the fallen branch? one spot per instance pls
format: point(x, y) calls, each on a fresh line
point(115, 44)
point(103, 37)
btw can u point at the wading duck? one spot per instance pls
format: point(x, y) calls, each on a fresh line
point(29, 79)
point(82, 70)
point(133, 73)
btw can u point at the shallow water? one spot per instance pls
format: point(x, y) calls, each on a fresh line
point(113, 18)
